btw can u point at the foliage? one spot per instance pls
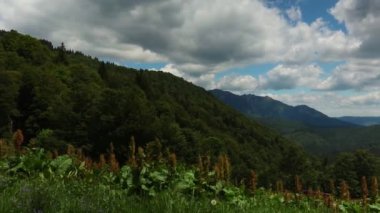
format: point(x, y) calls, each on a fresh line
point(42, 184)
point(57, 97)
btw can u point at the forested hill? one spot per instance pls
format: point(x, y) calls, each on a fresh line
point(56, 96)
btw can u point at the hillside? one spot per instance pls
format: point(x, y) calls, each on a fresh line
point(330, 142)
point(57, 96)
point(316, 132)
point(268, 108)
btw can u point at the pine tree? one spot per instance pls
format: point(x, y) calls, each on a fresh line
point(61, 58)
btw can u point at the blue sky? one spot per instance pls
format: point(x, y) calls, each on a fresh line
point(322, 53)
point(314, 9)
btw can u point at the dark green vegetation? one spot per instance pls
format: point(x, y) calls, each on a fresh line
point(316, 132)
point(329, 142)
point(37, 181)
point(364, 121)
point(59, 97)
point(51, 97)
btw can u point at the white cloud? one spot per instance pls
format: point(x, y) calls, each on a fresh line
point(369, 99)
point(334, 104)
point(291, 76)
point(357, 74)
point(238, 83)
point(294, 14)
point(362, 18)
point(205, 80)
point(210, 35)
point(279, 78)
point(316, 42)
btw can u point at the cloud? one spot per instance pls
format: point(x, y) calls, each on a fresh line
point(279, 78)
point(238, 83)
point(334, 104)
point(370, 99)
point(213, 35)
point(291, 76)
point(294, 14)
point(362, 18)
point(77, 23)
point(357, 74)
point(199, 39)
point(205, 80)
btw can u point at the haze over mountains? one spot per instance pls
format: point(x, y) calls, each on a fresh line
point(364, 121)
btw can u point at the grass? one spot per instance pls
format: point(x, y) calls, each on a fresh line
point(42, 195)
point(33, 182)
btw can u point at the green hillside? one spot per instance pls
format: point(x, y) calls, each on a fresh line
point(58, 96)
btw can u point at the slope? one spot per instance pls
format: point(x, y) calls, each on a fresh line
point(56, 96)
point(315, 132)
point(268, 108)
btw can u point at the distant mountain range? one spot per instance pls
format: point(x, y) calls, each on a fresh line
point(363, 121)
point(318, 133)
point(268, 108)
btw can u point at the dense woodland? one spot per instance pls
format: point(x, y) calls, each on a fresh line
point(57, 97)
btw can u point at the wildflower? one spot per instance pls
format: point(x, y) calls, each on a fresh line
point(18, 139)
point(173, 160)
point(114, 164)
point(253, 181)
point(364, 189)
point(298, 184)
point(213, 202)
point(70, 150)
point(374, 188)
point(344, 191)
point(102, 161)
point(280, 186)
point(332, 186)
point(132, 153)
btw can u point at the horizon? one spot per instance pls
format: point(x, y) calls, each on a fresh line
point(323, 54)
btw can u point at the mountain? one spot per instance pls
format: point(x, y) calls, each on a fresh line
point(363, 121)
point(57, 97)
point(266, 108)
point(317, 133)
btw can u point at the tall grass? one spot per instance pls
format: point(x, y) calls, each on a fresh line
point(36, 195)
point(32, 180)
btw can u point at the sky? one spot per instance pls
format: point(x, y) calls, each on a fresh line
point(322, 53)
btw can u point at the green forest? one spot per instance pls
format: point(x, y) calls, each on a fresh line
point(53, 100)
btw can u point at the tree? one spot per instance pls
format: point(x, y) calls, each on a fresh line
point(61, 57)
point(9, 86)
point(351, 167)
point(102, 70)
